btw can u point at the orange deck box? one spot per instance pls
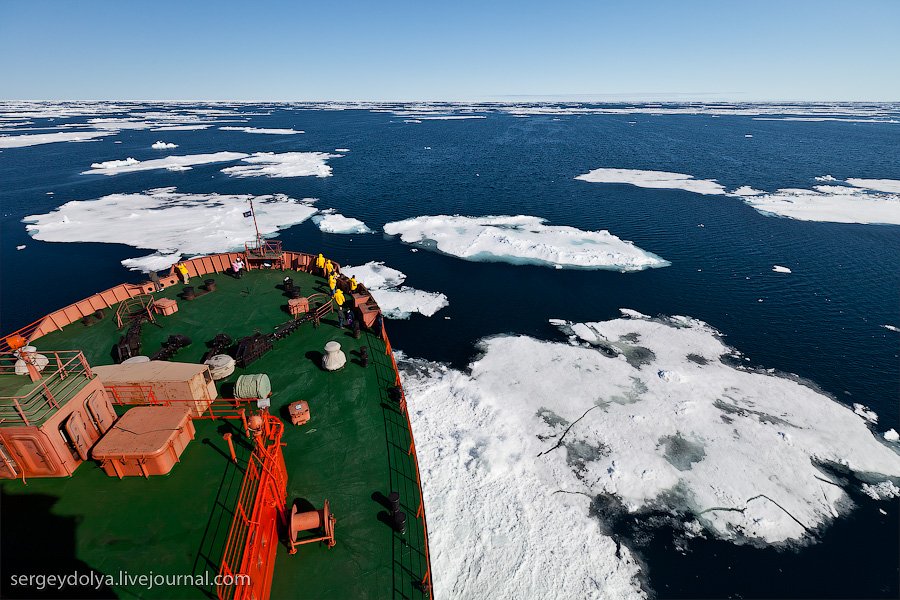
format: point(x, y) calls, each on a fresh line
point(147, 440)
point(165, 306)
point(298, 306)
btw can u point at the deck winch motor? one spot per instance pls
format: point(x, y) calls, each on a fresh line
point(173, 344)
point(312, 520)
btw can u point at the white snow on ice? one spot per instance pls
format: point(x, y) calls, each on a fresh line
point(171, 223)
point(331, 221)
point(780, 269)
point(653, 179)
point(651, 411)
point(891, 435)
point(163, 145)
point(262, 130)
point(523, 240)
point(495, 527)
point(171, 163)
point(396, 300)
point(287, 164)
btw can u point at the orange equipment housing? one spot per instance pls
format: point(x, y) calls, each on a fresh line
point(166, 379)
point(49, 430)
point(147, 440)
point(165, 306)
point(299, 412)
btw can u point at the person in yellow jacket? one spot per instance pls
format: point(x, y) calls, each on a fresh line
point(339, 301)
point(329, 267)
point(353, 284)
point(332, 284)
point(320, 263)
point(183, 272)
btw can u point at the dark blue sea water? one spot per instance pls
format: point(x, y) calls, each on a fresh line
point(823, 322)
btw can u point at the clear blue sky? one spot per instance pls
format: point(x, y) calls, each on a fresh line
point(460, 50)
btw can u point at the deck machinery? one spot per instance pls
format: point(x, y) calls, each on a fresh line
point(156, 480)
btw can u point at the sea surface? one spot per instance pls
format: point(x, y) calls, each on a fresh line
point(823, 322)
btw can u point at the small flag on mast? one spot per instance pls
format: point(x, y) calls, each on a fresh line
point(248, 214)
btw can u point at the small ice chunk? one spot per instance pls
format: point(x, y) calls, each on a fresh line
point(866, 413)
point(780, 269)
point(330, 221)
point(891, 327)
point(261, 130)
point(160, 145)
point(397, 301)
point(884, 490)
point(891, 435)
point(20, 247)
point(748, 135)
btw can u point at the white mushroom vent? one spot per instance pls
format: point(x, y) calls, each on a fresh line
point(334, 358)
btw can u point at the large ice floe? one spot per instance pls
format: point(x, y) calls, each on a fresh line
point(170, 163)
point(854, 201)
point(645, 415)
point(330, 221)
point(396, 300)
point(21, 141)
point(287, 164)
point(523, 240)
point(173, 224)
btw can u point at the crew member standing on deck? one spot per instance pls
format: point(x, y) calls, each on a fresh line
point(353, 284)
point(183, 272)
point(320, 264)
point(329, 268)
point(339, 301)
point(332, 284)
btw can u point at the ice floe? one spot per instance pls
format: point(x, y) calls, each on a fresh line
point(780, 269)
point(163, 145)
point(656, 413)
point(21, 141)
point(859, 201)
point(287, 164)
point(891, 327)
point(654, 179)
point(173, 224)
point(891, 435)
point(523, 240)
point(866, 413)
point(891, 186)
point(495, 526)
point(396, 300)
point(20, 247)
point(836, 204)
point(331, 221)
point(262, 130)
point(171, 163)
point(884, 490)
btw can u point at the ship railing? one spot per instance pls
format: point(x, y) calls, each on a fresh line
point(199, 266)
point(252, 539)
point(426, 582)
point(263, 248)
point(48, 393)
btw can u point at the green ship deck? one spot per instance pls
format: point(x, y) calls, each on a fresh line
point(353, 452)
